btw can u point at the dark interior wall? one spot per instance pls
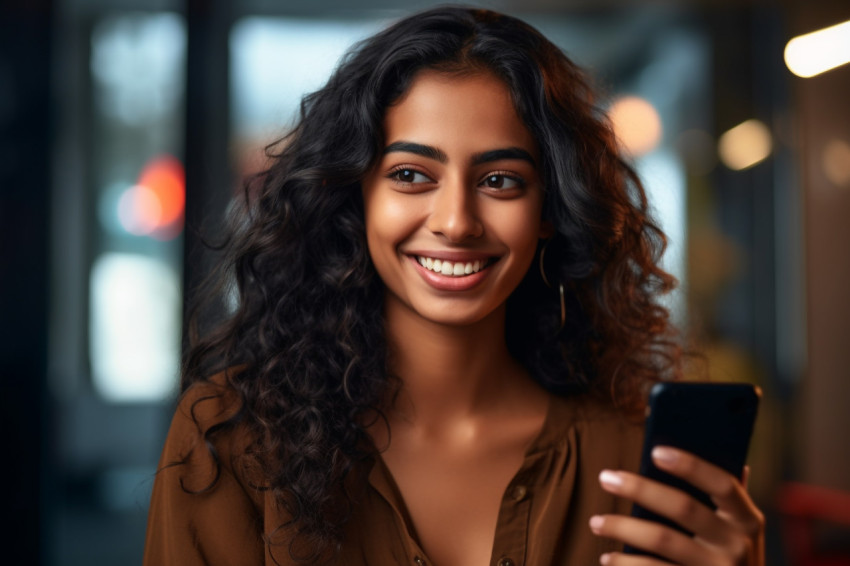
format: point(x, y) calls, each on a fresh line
point(25, 133)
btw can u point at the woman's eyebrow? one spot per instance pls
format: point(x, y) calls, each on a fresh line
point(436, 154)
point(499, 154)
point(419, 149)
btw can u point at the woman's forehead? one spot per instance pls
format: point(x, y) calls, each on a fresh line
point(474, 108)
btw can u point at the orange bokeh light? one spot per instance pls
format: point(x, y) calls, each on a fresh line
point(165, 180)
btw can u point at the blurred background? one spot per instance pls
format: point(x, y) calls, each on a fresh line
point(126, 125)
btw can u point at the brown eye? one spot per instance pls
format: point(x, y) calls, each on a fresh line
point(409, 176)
point(499, 181)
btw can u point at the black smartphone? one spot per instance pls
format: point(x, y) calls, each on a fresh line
point(712, 420)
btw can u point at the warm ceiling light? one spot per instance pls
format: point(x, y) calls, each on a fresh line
point(819, 51)
point(745, 145)
point(636, 123)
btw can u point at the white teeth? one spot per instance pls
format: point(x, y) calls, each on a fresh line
point(454, 269)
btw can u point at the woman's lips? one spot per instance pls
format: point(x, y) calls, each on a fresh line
point(451, 274)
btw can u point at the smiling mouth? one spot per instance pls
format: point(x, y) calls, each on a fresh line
point(454, 268)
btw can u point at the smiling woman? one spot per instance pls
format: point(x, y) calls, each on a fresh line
point(447, 315)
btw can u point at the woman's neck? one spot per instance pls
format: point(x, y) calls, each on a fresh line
point(449, 373)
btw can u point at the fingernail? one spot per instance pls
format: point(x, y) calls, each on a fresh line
point(610, 478)
point(596, 522)
point(664, 455)
point(605, 558)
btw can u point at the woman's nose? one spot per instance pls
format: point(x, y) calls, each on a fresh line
point(454, 214)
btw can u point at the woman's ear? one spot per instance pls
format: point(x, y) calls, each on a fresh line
point(547, 230)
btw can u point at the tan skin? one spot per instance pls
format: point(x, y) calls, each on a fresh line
point(459, 182)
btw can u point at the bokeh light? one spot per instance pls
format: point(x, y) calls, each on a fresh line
point(135, 327)
point(745, 145)
point(836, 162)
point(636, 124)
point(819, 51)
point(139, 210)
point(155, 205)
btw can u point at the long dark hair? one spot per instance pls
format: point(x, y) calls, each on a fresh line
point(304, 343)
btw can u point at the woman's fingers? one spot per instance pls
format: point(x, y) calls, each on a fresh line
point(727, 492)
point(733, 534)
point(654, 537)
point(668, 502)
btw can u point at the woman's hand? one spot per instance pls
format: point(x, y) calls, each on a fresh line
point(731, 535)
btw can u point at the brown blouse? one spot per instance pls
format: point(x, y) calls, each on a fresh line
point(543, 518)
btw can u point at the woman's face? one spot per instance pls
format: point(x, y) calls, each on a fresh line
point(453, 206)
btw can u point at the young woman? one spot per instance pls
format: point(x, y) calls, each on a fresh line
point(446, 322)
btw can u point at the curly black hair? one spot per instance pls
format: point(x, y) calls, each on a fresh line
point(305, 340)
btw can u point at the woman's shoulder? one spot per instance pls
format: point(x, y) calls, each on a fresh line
point(205, 506)
point(206, 430)
point(207, 403)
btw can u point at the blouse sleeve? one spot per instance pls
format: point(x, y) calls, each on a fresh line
point(200, 513)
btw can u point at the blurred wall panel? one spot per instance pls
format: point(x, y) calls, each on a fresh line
point(824, 125)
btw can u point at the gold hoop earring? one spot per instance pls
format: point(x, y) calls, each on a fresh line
point(540, 264)
point(560, 287)
point(563, 306)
